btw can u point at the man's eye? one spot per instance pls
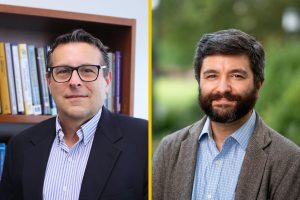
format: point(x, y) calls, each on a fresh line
point(211, 76)
point(87, 70)
point(237, 76)
point(62, 71)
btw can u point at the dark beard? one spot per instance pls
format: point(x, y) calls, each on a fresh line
point(243, 105)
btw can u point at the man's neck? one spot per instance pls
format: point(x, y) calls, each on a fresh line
point(70, 128)
point(221, 131)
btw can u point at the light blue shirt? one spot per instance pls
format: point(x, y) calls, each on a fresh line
point(217, 172)
point(66, 166)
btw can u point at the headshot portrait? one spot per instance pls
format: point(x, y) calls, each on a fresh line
point(80, 130)
point(231, 102)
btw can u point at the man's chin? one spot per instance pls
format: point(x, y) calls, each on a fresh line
point(224, 115)
point(76, 112)
point(224, 111)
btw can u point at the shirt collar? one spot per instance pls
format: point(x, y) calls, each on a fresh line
point(241, 135)
point(85, 132)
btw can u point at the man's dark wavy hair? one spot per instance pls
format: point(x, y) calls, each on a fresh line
point(231, 42)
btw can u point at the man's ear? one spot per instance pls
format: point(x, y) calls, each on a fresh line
point(108, 79)
point(258, 85)
point(48, 78)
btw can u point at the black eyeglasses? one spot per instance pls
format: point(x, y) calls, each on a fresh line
point(86, 73)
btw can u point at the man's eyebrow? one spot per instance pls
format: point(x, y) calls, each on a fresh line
point(209, 71)
point(241, 71)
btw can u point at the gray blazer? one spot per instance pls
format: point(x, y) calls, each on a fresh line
point(270, 170)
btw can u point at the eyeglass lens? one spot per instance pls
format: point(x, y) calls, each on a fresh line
point(86, 73)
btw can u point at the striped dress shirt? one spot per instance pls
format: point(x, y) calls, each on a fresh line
point(66, 166)
point(217, 172)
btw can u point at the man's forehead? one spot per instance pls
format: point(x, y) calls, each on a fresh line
point(219, 62)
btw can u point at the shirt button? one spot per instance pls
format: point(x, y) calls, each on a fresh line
point(65, 189)
point(217, 162)
point(69, 159)
point(209, 196)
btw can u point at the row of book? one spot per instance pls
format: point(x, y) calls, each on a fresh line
point(23, 85)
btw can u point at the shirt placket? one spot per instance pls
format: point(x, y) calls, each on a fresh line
point(68, 171)
point(215, 168)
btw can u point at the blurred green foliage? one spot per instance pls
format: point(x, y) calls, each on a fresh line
point(177, 27)
point(279, 102)
point(177, 105)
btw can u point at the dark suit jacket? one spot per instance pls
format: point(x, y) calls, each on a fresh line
point(270, 170)
point(116, 167)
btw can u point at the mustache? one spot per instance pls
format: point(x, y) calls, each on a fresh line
point(226, 95)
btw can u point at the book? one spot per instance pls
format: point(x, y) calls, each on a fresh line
point(4, 90)
point(26, 83)
point(18, 81)
point(2, 157)
point(118, 65)
point(35, 91)
point(41, 68)
point(11, 79)
point(110, 94)
point(52, 102)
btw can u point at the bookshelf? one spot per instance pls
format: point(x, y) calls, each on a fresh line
point(40, 27)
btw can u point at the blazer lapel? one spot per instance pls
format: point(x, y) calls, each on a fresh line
point(254, 163)
point(185, 167)
point(103, 156)
point(35, 160)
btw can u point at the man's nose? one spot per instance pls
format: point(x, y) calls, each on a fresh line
point(224, 86)
point(75, 79)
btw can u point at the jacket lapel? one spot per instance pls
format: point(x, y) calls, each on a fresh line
point(103, 157)
point(35, 160)
point(254, 163)
point(185, 167)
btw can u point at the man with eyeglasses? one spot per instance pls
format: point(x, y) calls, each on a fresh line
point(86, 152)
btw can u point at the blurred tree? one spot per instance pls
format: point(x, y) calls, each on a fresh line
point(178, 25)
point(279, 101)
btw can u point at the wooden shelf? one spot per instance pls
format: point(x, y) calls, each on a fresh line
point(26, 119)
point(41, 26)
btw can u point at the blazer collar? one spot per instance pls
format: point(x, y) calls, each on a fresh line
point(185, 166)
point(254, 162)
point(36, 158)
point(106, 149)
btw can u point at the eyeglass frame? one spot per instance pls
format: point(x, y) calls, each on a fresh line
point(50, 70)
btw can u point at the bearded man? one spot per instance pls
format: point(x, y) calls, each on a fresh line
point(230, 153)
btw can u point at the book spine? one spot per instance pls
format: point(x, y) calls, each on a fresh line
point(2, 157)
point(41, 63)
point(52, 102)
point(118, 65)
point(36, 101)
point(4, 91)
point(26, 85)
point(110, 91)
point(18, 81)
point(11, 81)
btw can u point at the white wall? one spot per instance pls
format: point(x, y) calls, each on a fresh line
point(137, 9)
